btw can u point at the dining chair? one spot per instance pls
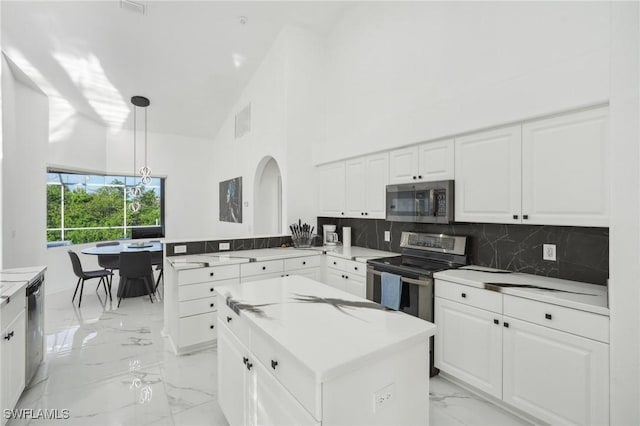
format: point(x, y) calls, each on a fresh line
point(82, 275)
point(135, 266)
point(110, 262)
point(157, 260)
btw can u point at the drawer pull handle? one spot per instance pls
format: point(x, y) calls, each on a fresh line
point(210, 274)
point(9, 336)
point(414, 178)
point(342, 276)
point(229, 319)
point(525, 216)
point(334, 263)
point(355, 268)
point(264, 268)
point(506, 324)
point(211, 305)
point(211, 289)
point(274, 364)
point(495, 321)
point(515, 216)
point(361, 213)
point(249, 365)
point(346, 277)
point(304, 263)
point(547, 316)
point(245, 360)
point(464, 295)
point(212, 327)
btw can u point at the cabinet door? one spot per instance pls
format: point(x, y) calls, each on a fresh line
point(355, 187)
point(468, 345)
point(335, 278)
point(275, 405)
point(557, 377)
point(356, 285)
point(488, 176)
point(261, 277)
point(403, 165)
point(331, 188)
point(376, 180)
point(12, 369)
point(231, 376)
point(436, 160)
point(313, 273)
point(565, 173)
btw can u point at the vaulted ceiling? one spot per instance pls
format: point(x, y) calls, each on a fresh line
point(191, 59)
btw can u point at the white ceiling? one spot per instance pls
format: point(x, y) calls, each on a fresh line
point(91, 57)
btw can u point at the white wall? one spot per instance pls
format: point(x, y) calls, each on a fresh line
point(405, 72)
point(83, 147)
point(282, 93)
point(624, 285)
point(267, 200)
point(24, 146)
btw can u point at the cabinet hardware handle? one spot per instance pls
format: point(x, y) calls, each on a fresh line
point(342, 213)
point(547, 316)
point(274, 364)
point(342, 276)
point(515, 216)
point(304, 263)
point(506, 324)
point(210, 274)
point(355, 268)
point(264, 268)
point(245, 360)
point(495, 321)
point(212, 327)
point(414, 178)
point(211, 289)
point(334, 263)
point(464, 295)
point(211, 305)
point(229, 319)
point(419, 176)
point(366, 213)
point(249, 365)
point(361, 213)
point(346, 277)
point(525, 216)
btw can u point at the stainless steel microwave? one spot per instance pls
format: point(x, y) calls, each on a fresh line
point(423, 202)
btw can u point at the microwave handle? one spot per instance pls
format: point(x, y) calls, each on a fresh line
point(432, 202)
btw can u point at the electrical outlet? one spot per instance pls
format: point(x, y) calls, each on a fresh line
point(387, 236)
point(384, 397)
point(224, 246)
point(549, 252)
point(179, 249)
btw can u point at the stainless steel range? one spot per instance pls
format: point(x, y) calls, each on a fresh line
point(422, 255)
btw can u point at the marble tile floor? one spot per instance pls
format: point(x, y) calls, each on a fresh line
point(111, 366)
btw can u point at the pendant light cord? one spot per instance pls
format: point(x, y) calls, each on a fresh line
point(145, 137)
point(134, 144)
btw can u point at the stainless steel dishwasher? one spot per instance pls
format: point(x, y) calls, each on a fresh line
point(35, 327)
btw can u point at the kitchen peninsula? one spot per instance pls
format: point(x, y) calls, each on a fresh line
point(312, 354)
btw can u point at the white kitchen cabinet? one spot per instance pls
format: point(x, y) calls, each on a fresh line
point(331, 189)
point(565, 170)
point(468, 344)
point(545, 172)
point(488, 176)
point(366, 181)
point(426, 162)
point(347, 275)
point(555, 376)
point(232, 376)
point(355, 185)
point(12, 352)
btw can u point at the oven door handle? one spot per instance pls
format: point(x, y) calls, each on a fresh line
point(425, 282)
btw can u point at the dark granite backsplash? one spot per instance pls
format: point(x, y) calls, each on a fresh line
point(582, 253)
point(200, 247)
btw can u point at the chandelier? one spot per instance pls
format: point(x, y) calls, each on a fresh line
point(145, 171)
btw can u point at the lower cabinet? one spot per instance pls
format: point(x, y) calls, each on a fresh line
point(347, 275)
point(553, 375)
point(12, 359)
point(252, 395)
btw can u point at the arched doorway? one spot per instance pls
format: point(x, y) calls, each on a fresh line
point(267, 197)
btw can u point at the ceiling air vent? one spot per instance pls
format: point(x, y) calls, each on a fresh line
point(133, 6)
point(243, 121)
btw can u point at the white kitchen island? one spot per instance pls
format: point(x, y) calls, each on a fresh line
point(294, 351)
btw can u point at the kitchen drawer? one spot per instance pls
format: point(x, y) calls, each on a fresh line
point(349, 266)
point(472, 296)
point(257, 268)
point(200, 290)
point(197, 329)
point(261, 277)
point(293, 375)
point(9, 311)
point(214, 273)
point(574, 321)
point(198, 306)
point(301, 263)
point(236, 323)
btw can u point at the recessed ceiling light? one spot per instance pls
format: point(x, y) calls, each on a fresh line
point(133, 6)
point(243, 20)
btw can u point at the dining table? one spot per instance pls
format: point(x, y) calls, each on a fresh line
point(138, 287)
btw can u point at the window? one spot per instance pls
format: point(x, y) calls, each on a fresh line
point(84, 208)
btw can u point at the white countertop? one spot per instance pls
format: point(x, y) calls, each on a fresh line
point(359, 254)
point(15, 279)
point(332, 331)
point(194, 261)
point(234, 257)
point(573, 294)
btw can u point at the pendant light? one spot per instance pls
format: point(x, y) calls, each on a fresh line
point(145, 171)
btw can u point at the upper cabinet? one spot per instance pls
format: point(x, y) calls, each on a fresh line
point(331, 187)
point(545, 172)
point(426, 162)
point(487, 178)
point(565, 173)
